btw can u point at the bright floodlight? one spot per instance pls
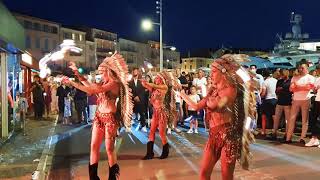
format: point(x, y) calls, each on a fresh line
point(173, 48)
point(168, 60)
point(146, 24)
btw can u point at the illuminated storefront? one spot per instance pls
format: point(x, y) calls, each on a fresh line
point(12, 45)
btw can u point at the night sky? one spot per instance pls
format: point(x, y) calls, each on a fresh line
point(188, 24)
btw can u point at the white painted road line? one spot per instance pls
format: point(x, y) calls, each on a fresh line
point(47, 153)
point(40, 174)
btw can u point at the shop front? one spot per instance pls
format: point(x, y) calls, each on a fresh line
point(29, 68)
point(12, 46)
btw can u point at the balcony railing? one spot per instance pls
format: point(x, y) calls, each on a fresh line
point(105, 50)
point(105, 37)
point(128, 49)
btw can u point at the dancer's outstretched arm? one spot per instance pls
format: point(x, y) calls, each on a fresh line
point(196, 106)
point(151, 86)
point(94, 89)
point(82, 79)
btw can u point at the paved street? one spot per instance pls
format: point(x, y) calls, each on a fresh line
point(271, 160)
point(69, 147)
point(19, 157)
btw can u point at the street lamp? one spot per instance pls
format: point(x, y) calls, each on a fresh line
point(147, 25)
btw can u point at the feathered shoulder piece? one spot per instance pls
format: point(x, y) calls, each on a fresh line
point(118, 65)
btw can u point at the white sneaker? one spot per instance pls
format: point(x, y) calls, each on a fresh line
point(313, 142)
point(177, 130)
point(144, 129)
point(169, 131)
point(190, 131)
point(196, 131)
point(138, 127)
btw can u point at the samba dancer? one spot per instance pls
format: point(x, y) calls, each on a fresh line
point(230, 102)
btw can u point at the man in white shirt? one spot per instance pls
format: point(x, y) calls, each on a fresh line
point(259, 78)
point(301, 86)
point(201, 83)
point(270, 101)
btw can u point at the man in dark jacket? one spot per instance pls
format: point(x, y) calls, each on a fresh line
point(81, 103)
point(138, 94)
point(38, 98)
point(62, 92)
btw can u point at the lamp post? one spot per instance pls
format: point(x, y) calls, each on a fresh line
point(147, 25)
point(161, 48)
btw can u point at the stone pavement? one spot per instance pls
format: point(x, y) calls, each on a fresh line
point(19, 156)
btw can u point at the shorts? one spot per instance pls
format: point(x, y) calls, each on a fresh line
point(268, 107)
point(106, 122)
point(220, 140)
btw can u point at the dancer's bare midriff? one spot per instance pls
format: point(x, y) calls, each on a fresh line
point(107, 102)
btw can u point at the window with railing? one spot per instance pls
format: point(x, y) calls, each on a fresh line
point(37, 43)
point(28, 42)
point(37, 26)
point(67, 35)
point(27, 24)
point(46, 28)
point(46, 44)
point(54, 30)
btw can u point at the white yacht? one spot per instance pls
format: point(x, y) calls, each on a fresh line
point(295, 46)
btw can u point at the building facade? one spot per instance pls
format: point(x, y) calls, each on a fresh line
point(131, 52)
point(171, 59)
point(90, 60)
point(79, 39)
point(42, 36)
point(105, 43)
point(193, 63)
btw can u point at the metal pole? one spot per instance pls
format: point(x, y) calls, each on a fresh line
point(4, 95)
point(161, 46)
point(24, 122)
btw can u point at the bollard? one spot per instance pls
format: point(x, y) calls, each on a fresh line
point(24, 122)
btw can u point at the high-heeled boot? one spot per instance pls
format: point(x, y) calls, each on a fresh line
point(165, 151)
point(93, 172)
point(114, 172)
point(150, 153)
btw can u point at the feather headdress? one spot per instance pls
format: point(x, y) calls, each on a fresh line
point(117, 64)
point(244, 108)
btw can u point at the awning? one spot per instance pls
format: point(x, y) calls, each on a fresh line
point(259, 62)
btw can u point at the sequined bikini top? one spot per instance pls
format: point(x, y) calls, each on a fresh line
point(105, 97)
